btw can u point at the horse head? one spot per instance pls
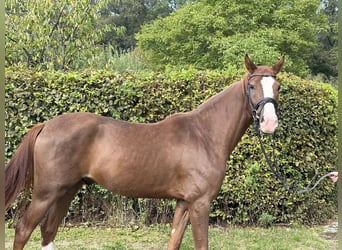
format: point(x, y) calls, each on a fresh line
point(262, 93)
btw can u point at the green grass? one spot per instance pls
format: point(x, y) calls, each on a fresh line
point(156, 237)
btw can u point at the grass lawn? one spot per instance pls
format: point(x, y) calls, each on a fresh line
point(156, 237)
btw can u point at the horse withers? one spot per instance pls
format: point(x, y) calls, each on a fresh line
point(182, 157)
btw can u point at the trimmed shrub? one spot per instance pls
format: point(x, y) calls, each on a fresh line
point(306, 142)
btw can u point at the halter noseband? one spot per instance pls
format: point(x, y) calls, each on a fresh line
point(262, 102)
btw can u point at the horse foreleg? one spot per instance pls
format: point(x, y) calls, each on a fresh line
point(180, 220)
point(199, 219)
point(55, 215)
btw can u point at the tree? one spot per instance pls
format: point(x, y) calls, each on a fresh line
point(130, 15)
point(216, 34)
point(325, 57)
point(52, 34)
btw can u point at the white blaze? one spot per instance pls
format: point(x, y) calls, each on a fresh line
point(48, 247)
point(269, 121)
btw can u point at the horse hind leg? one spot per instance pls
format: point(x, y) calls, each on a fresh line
point(55, 214)
point(180, 220)
point(32, 216)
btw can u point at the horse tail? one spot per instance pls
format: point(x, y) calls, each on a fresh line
point(19, 171)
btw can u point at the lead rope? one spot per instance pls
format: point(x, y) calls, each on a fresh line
point(273, 165)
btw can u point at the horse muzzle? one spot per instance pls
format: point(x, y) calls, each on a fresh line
point(266, 112)
point(269, 119)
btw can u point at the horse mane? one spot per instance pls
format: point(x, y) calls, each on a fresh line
point(19, 171)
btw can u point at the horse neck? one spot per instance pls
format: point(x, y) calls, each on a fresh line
point(226, 117)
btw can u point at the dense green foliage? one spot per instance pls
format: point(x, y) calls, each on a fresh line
point(72, 35)
point(306, 141)
point(64, 35)
point(324, 61)
point(129, 15)
point(56, 35)
point(211, 34)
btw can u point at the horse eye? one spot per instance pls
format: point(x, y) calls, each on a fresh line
point(278, 88)
point(251, 86)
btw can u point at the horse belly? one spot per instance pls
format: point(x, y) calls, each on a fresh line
point(137, 184)
point(135, 176)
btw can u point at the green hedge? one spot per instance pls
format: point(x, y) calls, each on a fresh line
point(306, 140)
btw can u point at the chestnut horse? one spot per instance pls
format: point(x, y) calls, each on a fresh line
point(182, 157)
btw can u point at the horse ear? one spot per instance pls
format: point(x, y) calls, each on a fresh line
point(249, 64)
point(277, 67)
